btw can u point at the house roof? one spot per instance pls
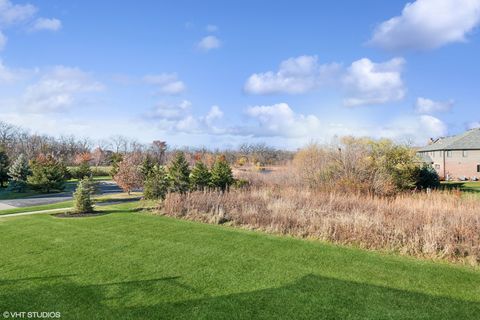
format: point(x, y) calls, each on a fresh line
point(466, 141)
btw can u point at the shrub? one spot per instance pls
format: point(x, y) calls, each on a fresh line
point(222, 177)
point(19, 172)
point(100, 171)
point(4, 162)
point(179, 173)
point(427, 177)
point(200, 177)
point(82, 196)
point(48, 174)
point(156, 184)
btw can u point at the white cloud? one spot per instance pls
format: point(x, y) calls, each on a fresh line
point(15, 13)
point(166, 111)
point(208, 43)
point(367, 82)
point(281, 123)
point(427, 106)
point(280, 120)
point(211, 28)
point(167, 83)
point(58, 89)
point(415, 129)
point(428, 24)
point(294, 76)
point(178, 118)
point(475, 124)
point(47, 24)
point(7, 75)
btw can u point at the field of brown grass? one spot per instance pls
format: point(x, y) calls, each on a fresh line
point(440, 224)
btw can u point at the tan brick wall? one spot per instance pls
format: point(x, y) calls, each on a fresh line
point(456, 166)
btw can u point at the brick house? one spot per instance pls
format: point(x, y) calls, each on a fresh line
point(456, 157)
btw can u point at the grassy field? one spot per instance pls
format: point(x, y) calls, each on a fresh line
point(468, 186)
point(127, 264)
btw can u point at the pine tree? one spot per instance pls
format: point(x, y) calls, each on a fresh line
point(200, 176)
point(147, 166)
point(81, 197)
point(48, 174)
point(19, 172)
point(179, 173)
point(222, 177)
point(4, 162)
point(156, 184)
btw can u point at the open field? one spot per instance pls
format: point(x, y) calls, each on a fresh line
point(128, 264)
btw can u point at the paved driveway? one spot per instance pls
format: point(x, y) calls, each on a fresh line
point(104, 187)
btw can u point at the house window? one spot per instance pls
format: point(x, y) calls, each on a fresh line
point(465, 153)
point(437, 167)
point(449, 153)
point(478, 167)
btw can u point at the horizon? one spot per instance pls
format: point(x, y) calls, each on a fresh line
point(219, 75)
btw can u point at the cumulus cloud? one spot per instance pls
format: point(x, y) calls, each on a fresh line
point(367, 82)
point(294, 76)
point(279, 120)
point(167, 83)
point(428, 106)
point(46, 24)
point(428, 24)
point(58, 89)
point(208, 43)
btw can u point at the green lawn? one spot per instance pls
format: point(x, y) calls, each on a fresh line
point(470, 187)
point(68, 204)
point(64, 204)
point(127, 264)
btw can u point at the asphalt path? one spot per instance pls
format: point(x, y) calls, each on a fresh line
point(104, 187)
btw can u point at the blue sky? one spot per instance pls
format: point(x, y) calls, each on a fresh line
point(218, 73)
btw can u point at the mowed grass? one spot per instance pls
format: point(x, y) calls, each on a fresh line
point(132, 265)
point(472, 187)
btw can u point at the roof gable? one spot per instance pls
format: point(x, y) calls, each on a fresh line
point(466, 141)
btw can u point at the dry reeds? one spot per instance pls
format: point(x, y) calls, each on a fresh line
point(437, 225)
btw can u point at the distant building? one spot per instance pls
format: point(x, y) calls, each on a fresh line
point(456, 157)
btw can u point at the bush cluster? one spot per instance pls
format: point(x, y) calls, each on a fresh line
point(363, 165)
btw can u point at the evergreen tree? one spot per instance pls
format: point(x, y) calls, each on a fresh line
point(200, 176)
point(222, 177)
point(178, 173)
point(156, 184)
point(81, 197)
point(147, 166)
point(83, 171)
point(48, 174)
point(19, 172)
point(115, 160)
point(4, 162)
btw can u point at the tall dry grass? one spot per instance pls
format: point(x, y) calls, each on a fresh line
point(437, 225)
